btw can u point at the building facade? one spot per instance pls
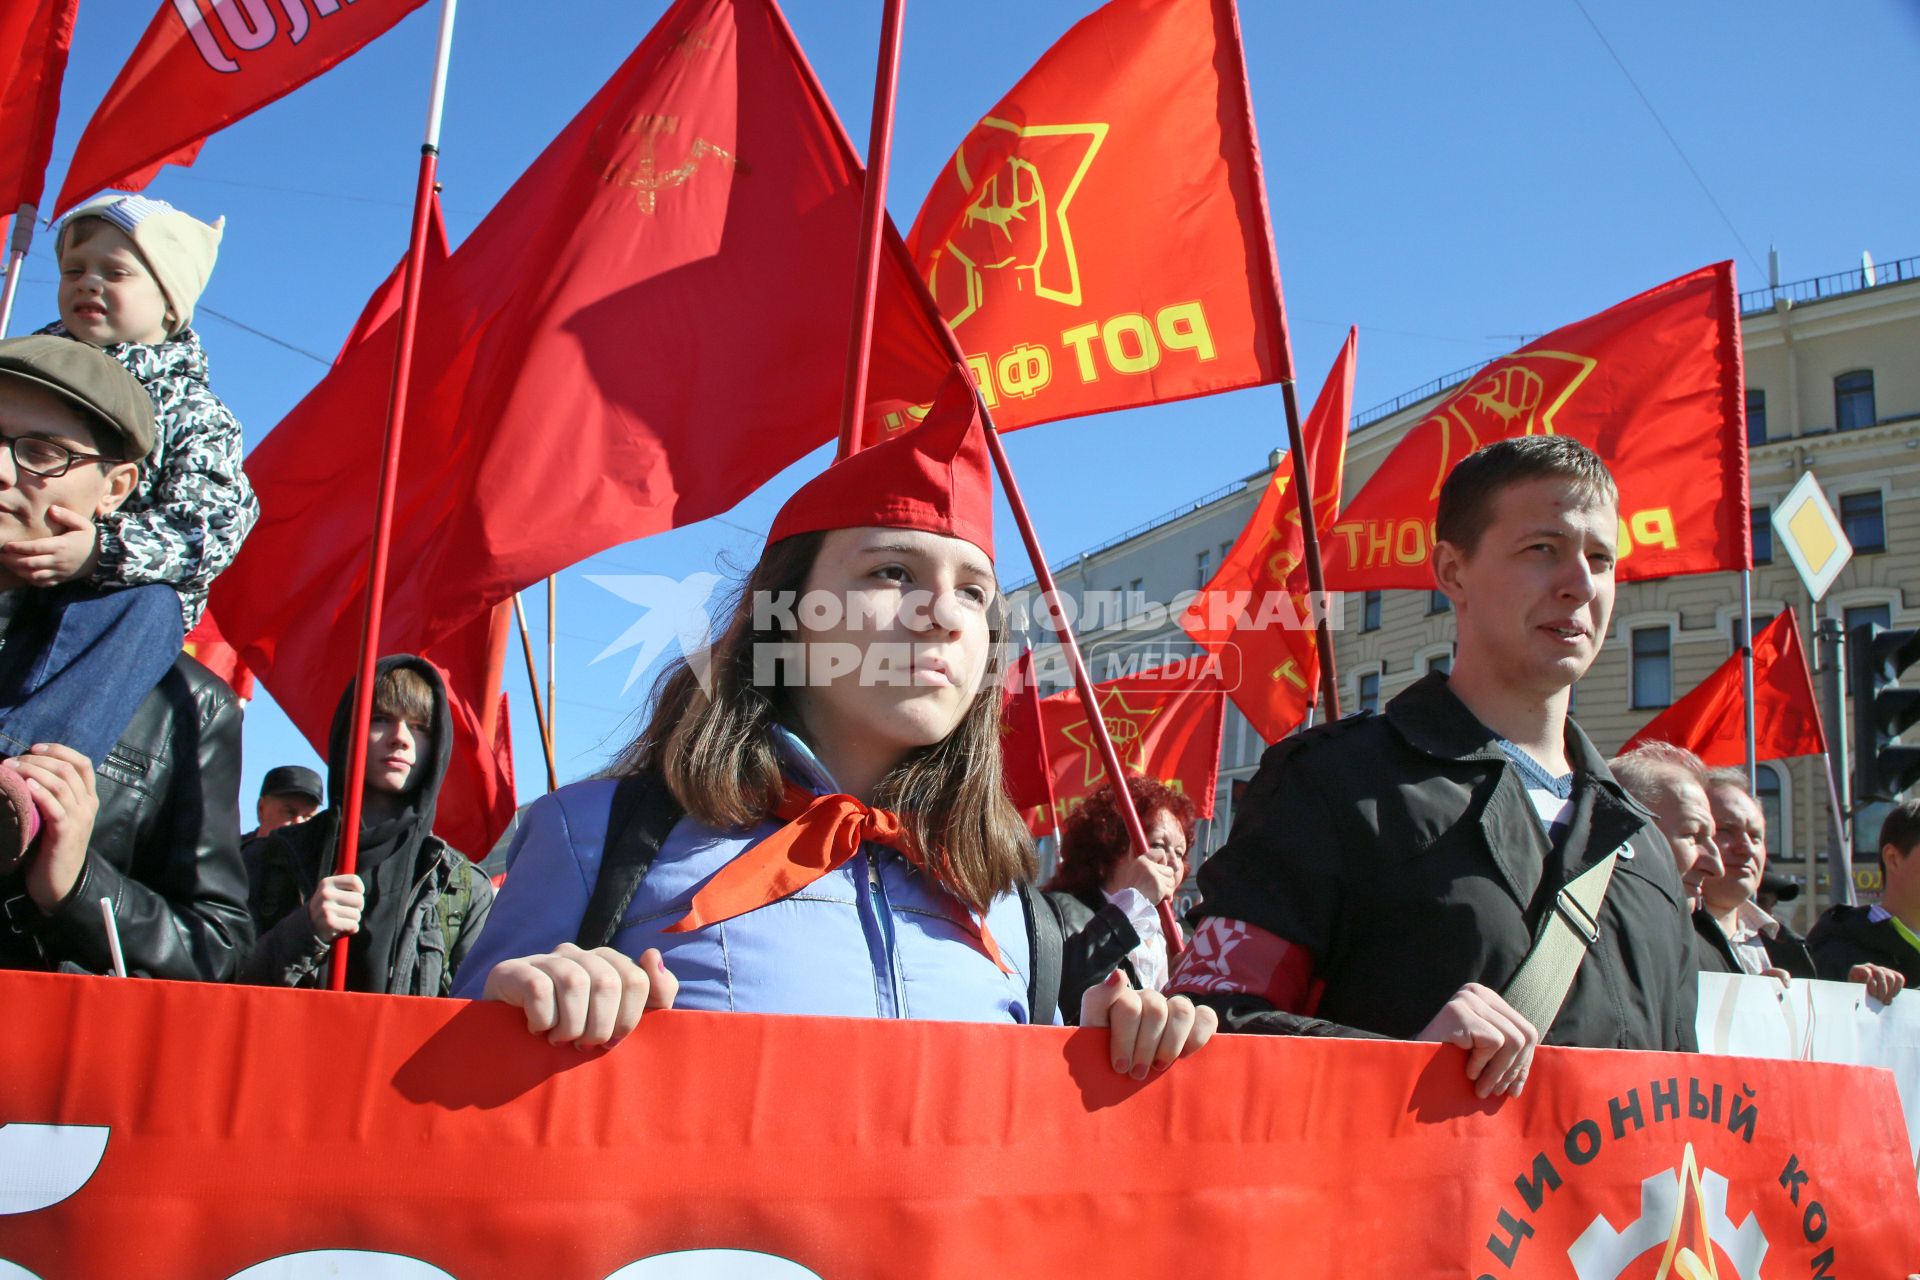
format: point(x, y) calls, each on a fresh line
point(1833, 386)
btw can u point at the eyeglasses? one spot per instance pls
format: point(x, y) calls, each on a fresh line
point(42, 457)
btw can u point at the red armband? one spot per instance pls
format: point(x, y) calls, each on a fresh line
point(1232, 957)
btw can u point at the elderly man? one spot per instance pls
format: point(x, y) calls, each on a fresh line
point(1740, 937)
point(1671, 781)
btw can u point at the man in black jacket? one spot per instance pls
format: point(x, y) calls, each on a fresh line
point(1388, 874)
point(163, 846)
point(1887, 933)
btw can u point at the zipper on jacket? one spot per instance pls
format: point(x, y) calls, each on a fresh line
point(886, 986)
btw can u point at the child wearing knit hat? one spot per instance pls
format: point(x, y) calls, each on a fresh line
point(131, 271)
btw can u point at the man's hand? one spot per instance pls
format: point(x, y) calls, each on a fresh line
point(1882, 983)
point(1150, 1030)
point(61, 780)
point(71, 552)
point(583, 998)
point(1498, 1041)
point(335, 907)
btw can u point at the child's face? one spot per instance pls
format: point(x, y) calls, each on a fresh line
point(396, 747)
point(107, 295)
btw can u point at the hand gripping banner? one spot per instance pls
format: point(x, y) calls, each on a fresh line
point(171, 1130)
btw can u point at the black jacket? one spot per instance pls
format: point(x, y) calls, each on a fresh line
point(1401, 850)
point(165, 848)
point(1846, 936)
point(1096, 937)
point(1785, 950)
point(435, 900)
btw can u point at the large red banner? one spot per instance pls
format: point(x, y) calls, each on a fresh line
point(1100, 239)
point(1653, 385)
point(35, 37)
point(177, 1130)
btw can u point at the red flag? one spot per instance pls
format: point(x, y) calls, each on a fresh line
point(476, 797)
point(1711, 721)
point(206, 645)
point(35, 36)
point(1257, 603)
point(1165, 723)
point(1100, 239)
point(1023, 748)
point(630, 341)
point(204, 64)
point(1652, 385)
point(385, 302)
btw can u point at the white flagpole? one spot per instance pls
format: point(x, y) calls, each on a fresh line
point(22, 241)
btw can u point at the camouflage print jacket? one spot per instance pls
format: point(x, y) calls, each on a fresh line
point(193, 507)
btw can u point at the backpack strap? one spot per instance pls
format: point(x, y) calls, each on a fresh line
point(639, 820)
point(1046, 947)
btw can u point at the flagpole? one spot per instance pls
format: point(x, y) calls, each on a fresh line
point(362, 720)
point(1089, 700)
point(22, 241)
point(1746, 677)
point(1316, 578)
point(873, 211)
point(553, 712)
point(533, 685)
point(1040, 742)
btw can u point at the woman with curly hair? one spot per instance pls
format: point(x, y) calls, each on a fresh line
point(1108, 897)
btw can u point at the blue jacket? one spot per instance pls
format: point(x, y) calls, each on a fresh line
point(873, 939)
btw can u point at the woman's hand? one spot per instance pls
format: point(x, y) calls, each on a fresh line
point(1149, 1030)
point(1156, 880)
point(583, 998)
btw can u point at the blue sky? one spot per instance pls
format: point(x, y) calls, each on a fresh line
point(1451, 178)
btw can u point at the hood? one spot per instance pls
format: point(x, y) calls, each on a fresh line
point(425, 795)
point(180, 356)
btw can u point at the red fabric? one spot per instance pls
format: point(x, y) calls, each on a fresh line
point(217, 1128)
point(207, 646)
point(1711, 721)
point(822, 834)
point(1165, 723)
point(1263, 580)
point(1232, 957)
point(477, 796)
point(1023, 748)
point(1652, 385)
point(936, 477)
point(1100, 239)
point(191, 77)
point(35, 37)
point(632, 340)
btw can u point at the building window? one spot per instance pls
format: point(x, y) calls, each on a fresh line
point(1202, 570)
point(1761, 621)
point(1863, 520)
point(1369, 691)
point(1652, 666)
point(1763, 535)
point(1441, 662)
point(1370, 611)
point(1437, 602)
point(1772, 808)
point(1853, 400)
point(1756, 416)
point(1136, 596)
point(1225, 548)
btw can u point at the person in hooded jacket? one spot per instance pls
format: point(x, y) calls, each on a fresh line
point(416, 904)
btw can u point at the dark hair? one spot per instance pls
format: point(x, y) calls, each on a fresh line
point(405, 693)
point(715, 749)
point(1467, 497)
point(1095, 836)
point(1901, 830)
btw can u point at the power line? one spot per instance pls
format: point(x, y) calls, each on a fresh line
point(1677, 149)
point(263, 334)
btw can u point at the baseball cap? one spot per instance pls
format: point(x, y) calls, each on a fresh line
point(293, 779)
point(90, 380)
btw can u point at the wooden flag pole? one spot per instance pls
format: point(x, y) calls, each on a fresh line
point(389, 468)
point(540, 719)
point(553, 710)
point(873, 212)
point(1746, 677)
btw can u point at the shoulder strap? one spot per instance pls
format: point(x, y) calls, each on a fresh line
point(1045, 952)
point(640, 818)
point(1540, 987)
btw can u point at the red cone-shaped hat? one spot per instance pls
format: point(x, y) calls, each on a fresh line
point(935, 477)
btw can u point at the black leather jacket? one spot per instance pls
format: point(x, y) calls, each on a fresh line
point(165, 848)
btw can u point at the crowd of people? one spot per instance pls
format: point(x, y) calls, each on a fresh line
point(814, 819)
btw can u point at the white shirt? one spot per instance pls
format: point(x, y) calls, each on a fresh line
point(1149, 958)
point(1748, 937)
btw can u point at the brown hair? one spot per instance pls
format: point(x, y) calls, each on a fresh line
point(403, 693)
point(715, 749)
point(1901, 829)
point(1468, 495)
point(1095, 837)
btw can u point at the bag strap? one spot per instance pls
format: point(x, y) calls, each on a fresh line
point(639, 820)
point(1573, 925)
point(1046, 951)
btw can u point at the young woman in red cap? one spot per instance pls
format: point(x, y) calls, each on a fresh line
point(817, 800)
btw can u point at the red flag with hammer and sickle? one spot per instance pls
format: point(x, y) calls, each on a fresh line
point(1100, 239)
point(1653, 385)
point(1258, 601)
